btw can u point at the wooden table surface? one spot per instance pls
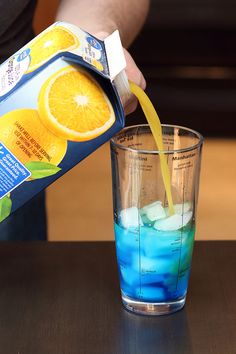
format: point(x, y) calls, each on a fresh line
point(63, 298)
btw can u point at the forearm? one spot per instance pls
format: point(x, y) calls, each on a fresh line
point(97, 16)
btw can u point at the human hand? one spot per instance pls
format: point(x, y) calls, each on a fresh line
point(133, 74)
point(136, 76)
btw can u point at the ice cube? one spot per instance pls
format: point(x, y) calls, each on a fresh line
point(174, 222)
point(151, 293)
point(156, 243)
point(130, 218)
point(144, 209)
point(180, 208)
point(129, 276)
point(151, 267)
point(126, 243)
point(145, 220)
point(154, 211)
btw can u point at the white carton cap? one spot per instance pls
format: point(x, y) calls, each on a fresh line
point(115, 54)
point(117, 64)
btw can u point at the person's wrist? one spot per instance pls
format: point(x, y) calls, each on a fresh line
point(103, 31)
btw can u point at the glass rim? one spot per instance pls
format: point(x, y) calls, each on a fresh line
point(156, 152)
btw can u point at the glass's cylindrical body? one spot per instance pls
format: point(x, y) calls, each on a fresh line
point(154, 248)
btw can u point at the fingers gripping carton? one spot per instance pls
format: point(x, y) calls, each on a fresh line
point(60, 99)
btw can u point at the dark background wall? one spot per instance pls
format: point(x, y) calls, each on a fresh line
point(187, 51)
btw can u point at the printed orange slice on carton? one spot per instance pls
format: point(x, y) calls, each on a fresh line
point(73, 106)
point(26, 137)
point(49, 43)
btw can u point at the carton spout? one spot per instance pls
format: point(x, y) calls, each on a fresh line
point(122, 85)
point(117, 64)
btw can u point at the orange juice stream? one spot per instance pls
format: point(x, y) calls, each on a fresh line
point(155, 126)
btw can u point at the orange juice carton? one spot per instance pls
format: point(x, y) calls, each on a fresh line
point(60, 99)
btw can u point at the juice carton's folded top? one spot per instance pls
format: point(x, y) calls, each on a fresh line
point(62, 40)
point(60, 98)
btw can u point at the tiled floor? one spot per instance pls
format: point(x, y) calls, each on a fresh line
point(80, 203)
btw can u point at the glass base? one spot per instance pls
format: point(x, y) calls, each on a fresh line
point(153, 309)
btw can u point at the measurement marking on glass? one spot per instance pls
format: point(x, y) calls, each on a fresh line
point(168, 165)
point(139, 242)
point(140, 266)
point(181, 237)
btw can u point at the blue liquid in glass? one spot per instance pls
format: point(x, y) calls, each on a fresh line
point(154, 266)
